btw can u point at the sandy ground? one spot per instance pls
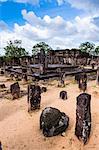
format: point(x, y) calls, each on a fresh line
point(19, 130)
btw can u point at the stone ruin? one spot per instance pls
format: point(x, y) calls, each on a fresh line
point(53, 122)
point(2, 72)
point(24, 78)
point(15, 90)
point(83, 117)
point(63, 95)
point(2, 86)
point(43, 89)
point(82, 81)
point(0, 146)
point(12, 76)
point(42, 62)
point(97, 78)
point(34, 97)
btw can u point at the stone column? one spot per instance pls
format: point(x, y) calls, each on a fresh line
point(83, 117)
point(34, 97)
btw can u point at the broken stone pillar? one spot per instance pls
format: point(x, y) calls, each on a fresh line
point(93, 66)
point(0, 146)
point(34, 97)
point(82, 82)
point(43, 62)
point(2, 86)
point(24, 77)
point(24, 70)
point(2, 72)
point(61, 78)
point(53, 122)
point(83, 117)
point(15, 90)
point(43, 89)
point(12, 76)
point(97, 78)
point(63, 95)
point(77, 78)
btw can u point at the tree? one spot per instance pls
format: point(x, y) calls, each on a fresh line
point(97, 50)
point(39, 46)
point(14, 49)
point(87, 47)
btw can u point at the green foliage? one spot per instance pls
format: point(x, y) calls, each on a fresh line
point(14, 49)
point(97, 50)
point(39, 46)
point(87, 47)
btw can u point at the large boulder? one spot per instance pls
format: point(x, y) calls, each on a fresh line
point(83, 117)
point(53, 122)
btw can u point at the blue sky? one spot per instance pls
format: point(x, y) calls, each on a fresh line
point(60, 23)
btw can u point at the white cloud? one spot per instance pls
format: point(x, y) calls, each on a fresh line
point(3, 25)
point(91, 6)
point(57, 32)
point(33, 2)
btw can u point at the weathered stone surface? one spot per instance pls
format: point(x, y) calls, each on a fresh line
point(83, 117)
point(42, 61)
point(12, 76)
point(82, 82)
point(0, 146)
point(97, 78)
point(43, 89)
point(63, 95)
point(77, 77)
point(34, 97)
point(2, 86)
point(15, 90)
point(24, 77)
point(1, 72)
point(53, 122)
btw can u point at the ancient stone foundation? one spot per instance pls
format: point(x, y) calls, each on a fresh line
point(83, 117)
point(53, 122)
point(15, 90)
point(34, 97)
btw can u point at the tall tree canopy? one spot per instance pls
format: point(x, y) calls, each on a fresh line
point(14, 49)
point(97, 50)
point(87, 47)
point(41, 45)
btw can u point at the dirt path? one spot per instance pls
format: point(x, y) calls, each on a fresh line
point(20, 130)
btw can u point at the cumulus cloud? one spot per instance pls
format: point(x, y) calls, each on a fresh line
point(57, 32)
point(91, 6)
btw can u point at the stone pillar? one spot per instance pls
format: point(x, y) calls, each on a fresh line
point(83, 117)
point(43, 62)
point(97, 78)
point(15, 90)
point(34, 97)
point(82, 82)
